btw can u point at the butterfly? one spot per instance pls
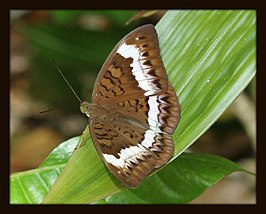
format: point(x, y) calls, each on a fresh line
point(134, 109)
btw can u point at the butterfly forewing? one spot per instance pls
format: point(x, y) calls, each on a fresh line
point(137, 108)
point(134, 69)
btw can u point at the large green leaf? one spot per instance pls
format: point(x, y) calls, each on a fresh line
point(210, 58)
point(180, 182)
point(30, 187)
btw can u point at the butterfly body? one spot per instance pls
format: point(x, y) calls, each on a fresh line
point(134, 109)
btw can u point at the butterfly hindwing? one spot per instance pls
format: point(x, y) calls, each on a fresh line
point(130, 151)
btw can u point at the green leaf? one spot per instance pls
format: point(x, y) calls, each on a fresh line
point(85, 176)
point(210, 57)
point(184, 179)
point(30, 187)
point(61, 154)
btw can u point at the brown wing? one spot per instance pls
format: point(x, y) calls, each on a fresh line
point(134, 83)
point(134, 69)
point(130, 152)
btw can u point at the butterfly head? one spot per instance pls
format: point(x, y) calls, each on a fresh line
point(85, 108)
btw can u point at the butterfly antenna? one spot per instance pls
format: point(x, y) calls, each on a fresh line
point(59, 70)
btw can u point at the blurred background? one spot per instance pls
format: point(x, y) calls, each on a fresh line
point(79, 42)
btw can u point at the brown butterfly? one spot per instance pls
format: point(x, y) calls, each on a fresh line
point(134, 109)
